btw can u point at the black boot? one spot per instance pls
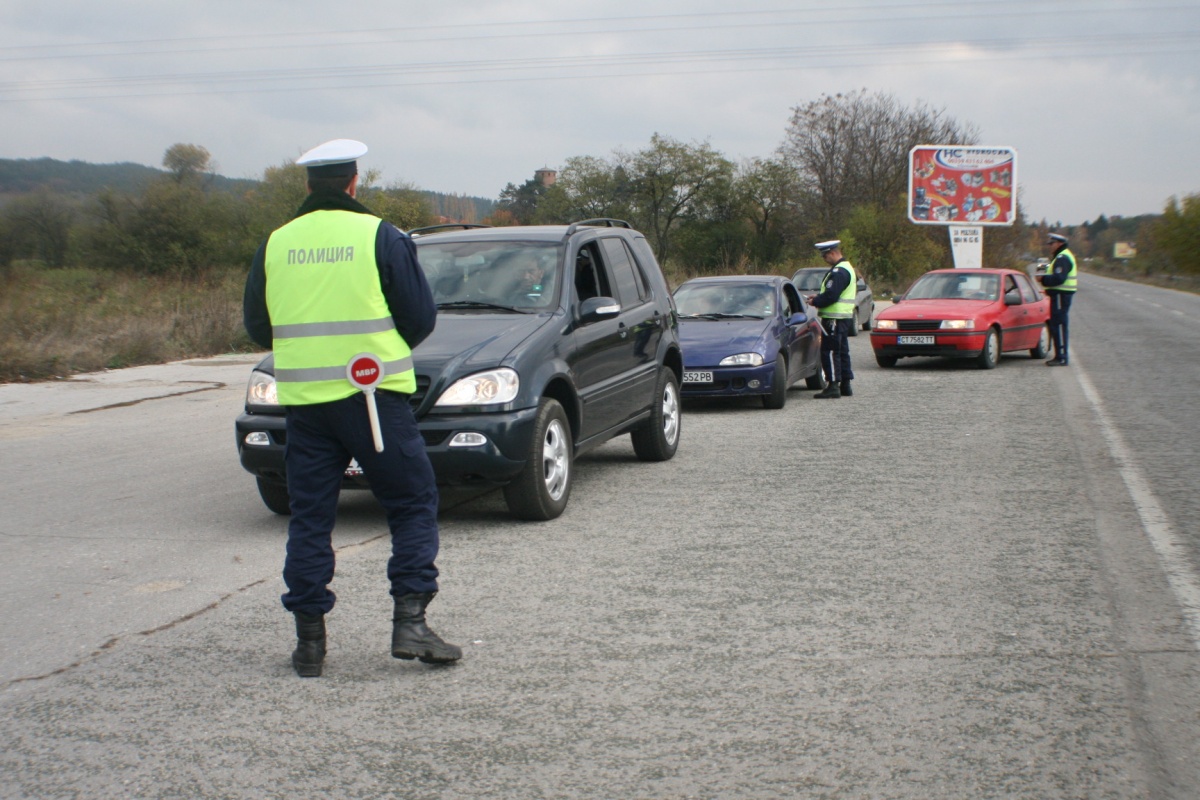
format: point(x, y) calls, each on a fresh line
point(831, 392)
point(846, 390)
point(309, 655)
point(412, 638)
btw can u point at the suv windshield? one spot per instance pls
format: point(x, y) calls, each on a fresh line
point(508, 274)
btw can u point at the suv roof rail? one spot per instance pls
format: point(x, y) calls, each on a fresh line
point(447, 226)
point(600, 222)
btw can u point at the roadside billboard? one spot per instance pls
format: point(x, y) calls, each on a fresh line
point(962, 185)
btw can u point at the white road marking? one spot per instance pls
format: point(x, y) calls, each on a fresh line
point(1170, 550)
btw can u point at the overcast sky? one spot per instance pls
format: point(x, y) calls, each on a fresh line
point(1099, 98)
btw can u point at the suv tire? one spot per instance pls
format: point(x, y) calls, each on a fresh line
point(658, 438)
point(541, 491)
point(274, 496)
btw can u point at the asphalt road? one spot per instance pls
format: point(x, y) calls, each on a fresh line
point(955, 584)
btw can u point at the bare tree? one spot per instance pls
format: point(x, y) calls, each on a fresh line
point(848, 150)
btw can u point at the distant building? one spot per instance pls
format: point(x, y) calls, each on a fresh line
point(546, 176)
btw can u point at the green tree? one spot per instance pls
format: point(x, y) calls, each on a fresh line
point(762, 190)
point(671, 180)
point(187, 162)
point(522, 201)
point(1175, 237)
point(40, 226)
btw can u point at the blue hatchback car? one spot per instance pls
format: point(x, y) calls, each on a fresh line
point(747, 335)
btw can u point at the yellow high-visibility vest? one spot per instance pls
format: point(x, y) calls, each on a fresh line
point(327, 306)
point(844, 307)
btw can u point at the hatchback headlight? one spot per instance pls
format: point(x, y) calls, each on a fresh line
point(957, 324)
point(493, 387)
point(260, 391)
point(742, 360)
point(884, 324)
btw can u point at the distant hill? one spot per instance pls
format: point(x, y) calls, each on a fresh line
point(22, 176)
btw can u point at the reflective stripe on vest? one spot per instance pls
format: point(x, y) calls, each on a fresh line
point(326, 307)
point(1072, 282)
point(844, 307)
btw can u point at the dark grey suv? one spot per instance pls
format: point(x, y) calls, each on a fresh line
point(550, 341)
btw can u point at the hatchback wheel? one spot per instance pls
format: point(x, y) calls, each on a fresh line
point(657, 438)
point(542, 489)
point(1043, 345)
point(990, 356)
point(778, 396)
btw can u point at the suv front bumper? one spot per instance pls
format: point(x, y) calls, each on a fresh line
point(495, 462)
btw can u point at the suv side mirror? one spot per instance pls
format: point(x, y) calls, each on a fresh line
point(799, 318)
point(595, 308)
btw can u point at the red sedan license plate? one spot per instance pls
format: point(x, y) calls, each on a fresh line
point(697, 377)
point(914, 340)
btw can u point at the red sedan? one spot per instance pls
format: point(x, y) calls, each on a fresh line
point(964, 313)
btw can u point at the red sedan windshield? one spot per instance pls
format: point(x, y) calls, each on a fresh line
point(955, 286)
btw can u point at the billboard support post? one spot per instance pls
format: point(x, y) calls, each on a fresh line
point(966, 244)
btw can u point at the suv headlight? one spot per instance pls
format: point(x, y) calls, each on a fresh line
point(742, 360)
point(493, 387)
point(260, 391)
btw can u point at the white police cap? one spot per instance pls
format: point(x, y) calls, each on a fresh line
point(1057, 238)
point(334, 157)
point(832, 244)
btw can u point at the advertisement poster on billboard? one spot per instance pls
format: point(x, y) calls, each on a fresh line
point(962, 185)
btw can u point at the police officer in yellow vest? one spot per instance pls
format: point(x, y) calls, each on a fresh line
point(335, 282)
point(1060, 282)
point(835, 307)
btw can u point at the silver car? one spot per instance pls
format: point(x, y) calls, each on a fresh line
point(808, 281)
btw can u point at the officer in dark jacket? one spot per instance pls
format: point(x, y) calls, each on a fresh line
point(332, 284)
point(835, 307)
point(1060, 281)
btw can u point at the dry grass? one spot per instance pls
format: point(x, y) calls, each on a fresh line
point(57, 322)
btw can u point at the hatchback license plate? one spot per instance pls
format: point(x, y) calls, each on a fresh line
point(914, 340)
point(697, 377)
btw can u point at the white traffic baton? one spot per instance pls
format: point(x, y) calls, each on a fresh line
point(364, 372)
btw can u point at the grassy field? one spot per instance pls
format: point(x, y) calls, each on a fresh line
point(57, 322)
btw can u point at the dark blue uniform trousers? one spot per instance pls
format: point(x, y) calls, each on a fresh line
point(321, 439)
point(1060, 308)
point(835, 349)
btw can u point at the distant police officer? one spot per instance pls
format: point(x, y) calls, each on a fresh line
point(835, 307)
point(333, 283)
point(1060, 282)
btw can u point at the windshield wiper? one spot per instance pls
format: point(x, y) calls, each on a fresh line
point(734, 316)
point(478, 304)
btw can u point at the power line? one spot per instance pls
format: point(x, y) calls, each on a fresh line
point(612, 66)
point(954, 11)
